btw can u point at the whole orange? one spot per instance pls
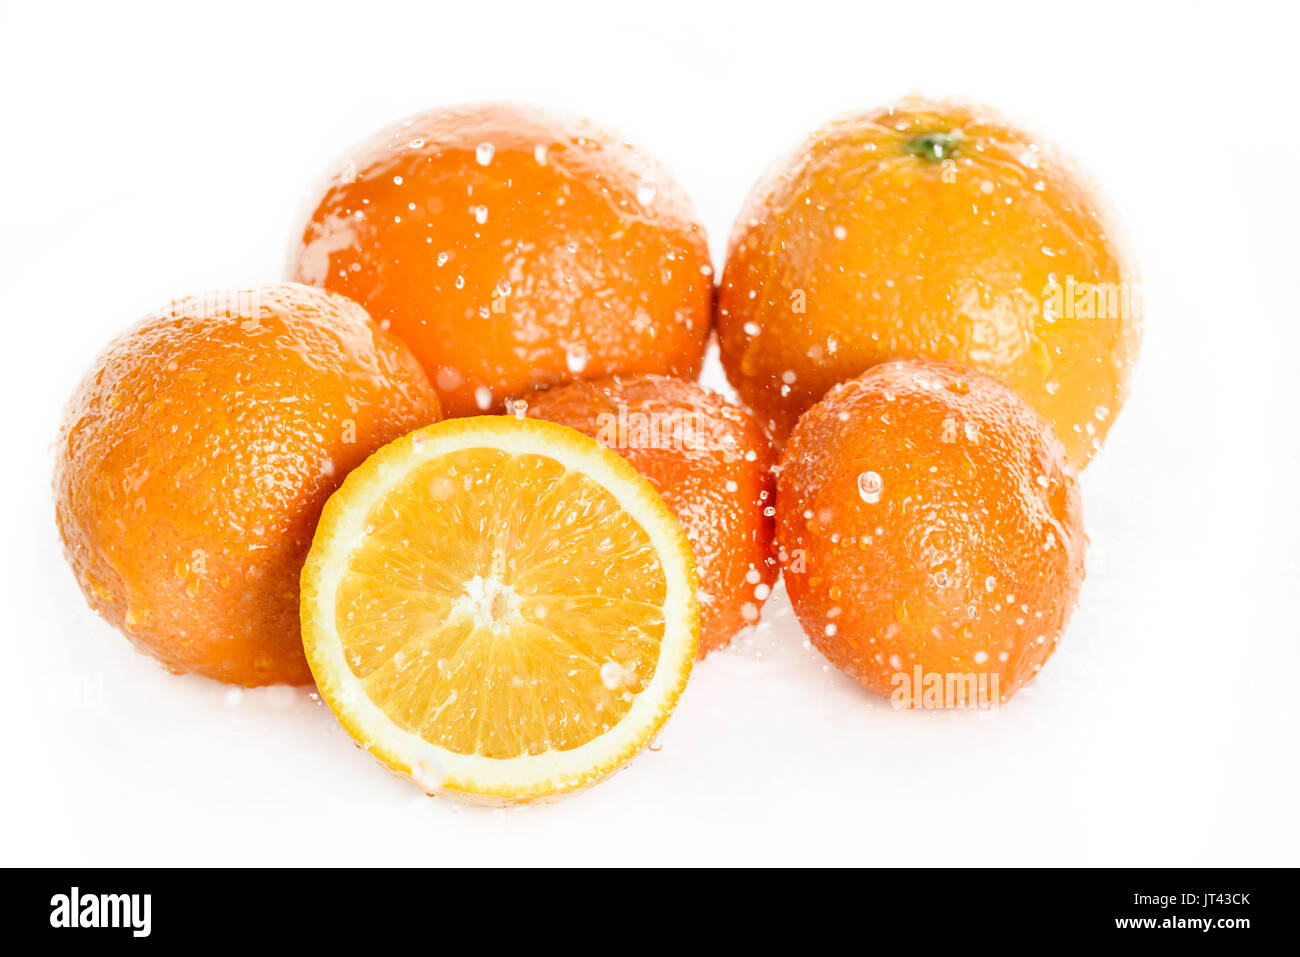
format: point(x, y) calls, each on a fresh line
point(711, 462)
point(930, 229)
point(195, 457)
point(929, 523)
point(513, 248)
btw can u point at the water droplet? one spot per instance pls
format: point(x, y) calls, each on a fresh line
point(613, 675)
point(428, 771)
point(870, 485)
point(484, 154)
point(448, 378)
point(576, 358)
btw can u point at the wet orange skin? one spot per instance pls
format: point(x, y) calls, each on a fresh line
point(196, 455)
point(712, 463)
point(935, 229)
point(926, 515)
point(513, 248)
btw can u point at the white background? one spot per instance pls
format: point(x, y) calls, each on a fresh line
point(151, 152)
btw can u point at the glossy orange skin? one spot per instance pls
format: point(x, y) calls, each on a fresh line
point(970, 558)
point(195, 457)
point(690, 443)
point(893, 255)
point(511, 250)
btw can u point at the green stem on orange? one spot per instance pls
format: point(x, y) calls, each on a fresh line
point(935, 147)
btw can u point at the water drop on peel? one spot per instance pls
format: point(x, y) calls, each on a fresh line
point(575, 358)
point(870, 485)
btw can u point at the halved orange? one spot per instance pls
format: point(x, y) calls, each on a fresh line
point(500, 608)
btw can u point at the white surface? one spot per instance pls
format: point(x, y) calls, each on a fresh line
point(157, 152)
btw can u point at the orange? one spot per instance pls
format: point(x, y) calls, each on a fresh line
point(513, 248)
point(499, 609)
point(930, 529)
point(712, 463)
point(930, 229)
point(194, 459)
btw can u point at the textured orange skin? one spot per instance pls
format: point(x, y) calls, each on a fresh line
point(925, 267)
point(195, 457)
point(568, 275)
point(729, 532)
point(910, 572)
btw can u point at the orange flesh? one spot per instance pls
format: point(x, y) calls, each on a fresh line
point(489, 630)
